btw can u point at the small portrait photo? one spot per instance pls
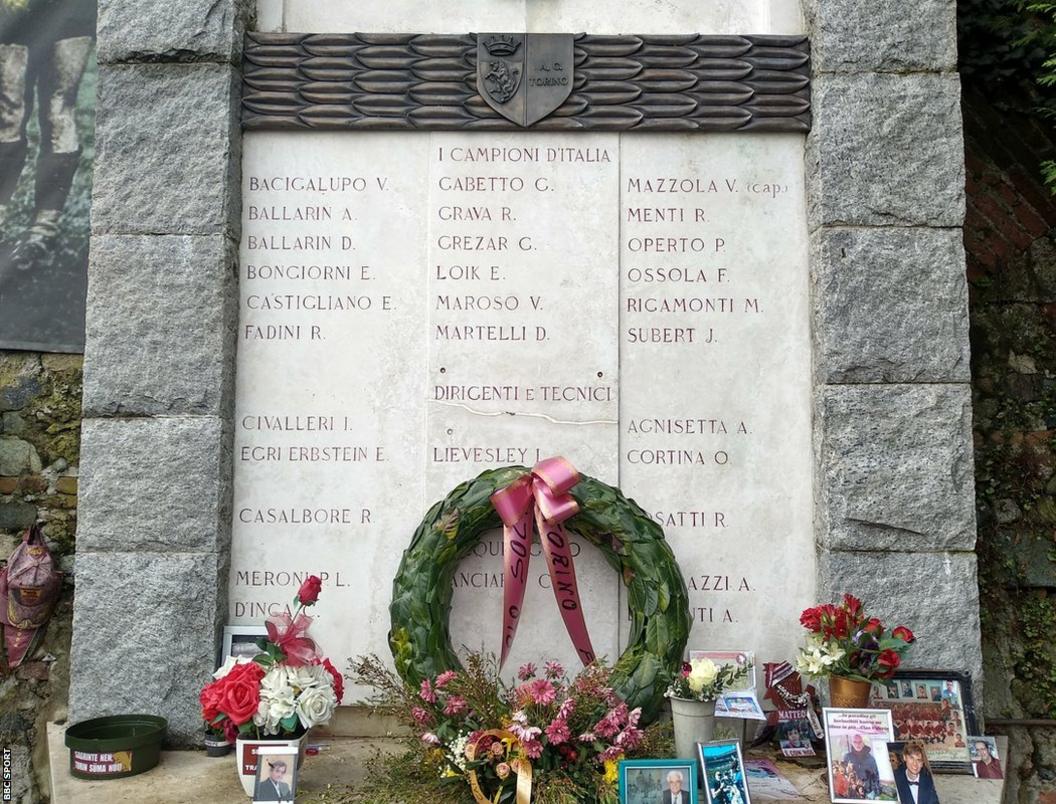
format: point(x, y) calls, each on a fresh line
point(907, 689)
point(936, 692)
point(922, 692)
point(951, 692)
point(724, 777)
point(892, 689)
point(241, 641)
point(794, 738)
point(912, 772)
point(985, 761)
point(276, 774)
point(658, 781)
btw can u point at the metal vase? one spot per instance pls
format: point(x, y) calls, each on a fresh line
point(694, 722)
point(849, 693)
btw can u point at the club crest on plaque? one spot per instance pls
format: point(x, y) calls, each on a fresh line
point(524, 77)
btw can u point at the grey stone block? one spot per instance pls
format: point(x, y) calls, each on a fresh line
point(890, 305)
point(160, 332)
point(17, 514)
point(18, 457)
point(886, 149)
point(895, 467)
point(168, 150)
point(144, 636)
point(882, 35)
point(155, 484)
point(935, 594)
point(190, 30)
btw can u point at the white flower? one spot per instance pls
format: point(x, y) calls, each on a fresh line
point(306, 676)
point(229, 664)
point(702, 673)
point(316, 705)
point(277, 700)
point(818, 656)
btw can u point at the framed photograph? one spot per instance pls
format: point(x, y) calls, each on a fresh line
point(986, 764)
point(241, 640)
point(793, 734)
point(276, 774)
point(939, 713)
point(859, 766)
point(658, 781)
point(725, 781)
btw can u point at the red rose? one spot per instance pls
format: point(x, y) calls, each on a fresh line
point(889, 659)
point(338, 681)
point(874, 627)
point(209, 698)
point(904, 634)
point(309, 591)
point(842, 627)
point(240, 692)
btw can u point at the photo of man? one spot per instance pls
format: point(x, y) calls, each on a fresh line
point(861, 762)
point(913, 777)
point(674, 793)
point(859, 766)
point(949, 693)
point(984, 758)
point(276, 776)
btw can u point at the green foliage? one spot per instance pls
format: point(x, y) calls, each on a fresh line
point(631, 542)
point(1035, 661)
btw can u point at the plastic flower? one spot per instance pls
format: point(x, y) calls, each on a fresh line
point(702, 673)
point(904, 634)
point(316, 705)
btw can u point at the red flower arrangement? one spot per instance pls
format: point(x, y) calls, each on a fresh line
point(845, 642)
point(286, 688)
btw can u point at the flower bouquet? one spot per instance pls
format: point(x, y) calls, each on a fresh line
point(703, 680)
point(281, 692)
point(546, 739)
point(851, 648)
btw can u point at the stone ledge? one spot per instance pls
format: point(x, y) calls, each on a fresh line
point(145, 636)
point(881, 36)
point(189, 30)
point(886, 150)
point(159, 484)
point(168, 150)
point(895, 468)
point(890, 305)
point(174, 297)
point(944, 613)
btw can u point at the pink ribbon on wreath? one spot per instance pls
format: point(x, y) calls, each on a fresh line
point(289, 634)
point(541, 495)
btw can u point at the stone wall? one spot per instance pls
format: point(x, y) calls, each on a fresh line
point(159, 360)
point(1011, 246)
point(40, 419)
point(894, 481)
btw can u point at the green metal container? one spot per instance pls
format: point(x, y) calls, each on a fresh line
point(115, 747)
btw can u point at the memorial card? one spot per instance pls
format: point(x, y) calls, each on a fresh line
point(859, 766)
point(793, 733)
point(766, 782)
point(742, 705)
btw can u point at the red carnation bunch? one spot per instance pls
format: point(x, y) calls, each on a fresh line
point(844, 641)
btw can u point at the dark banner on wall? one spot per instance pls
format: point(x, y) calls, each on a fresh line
point(47, 110)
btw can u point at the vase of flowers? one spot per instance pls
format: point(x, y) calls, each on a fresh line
point(851, 648)
point(544, 737)
point(279, 695)
point(693, 693)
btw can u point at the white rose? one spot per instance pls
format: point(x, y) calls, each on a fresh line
point(316, 705)
point(277, 700)
point(310, 675)
point(702, 673)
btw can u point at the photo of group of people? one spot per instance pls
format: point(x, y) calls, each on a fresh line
point(930, 712)
point(724, 777)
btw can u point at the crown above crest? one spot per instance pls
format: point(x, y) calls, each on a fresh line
point(501, 45)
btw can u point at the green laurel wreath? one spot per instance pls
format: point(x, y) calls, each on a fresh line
point(631, 542)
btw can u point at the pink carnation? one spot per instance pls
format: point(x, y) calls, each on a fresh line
point(526, 671)
point(426, 692)
point(445, 678)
